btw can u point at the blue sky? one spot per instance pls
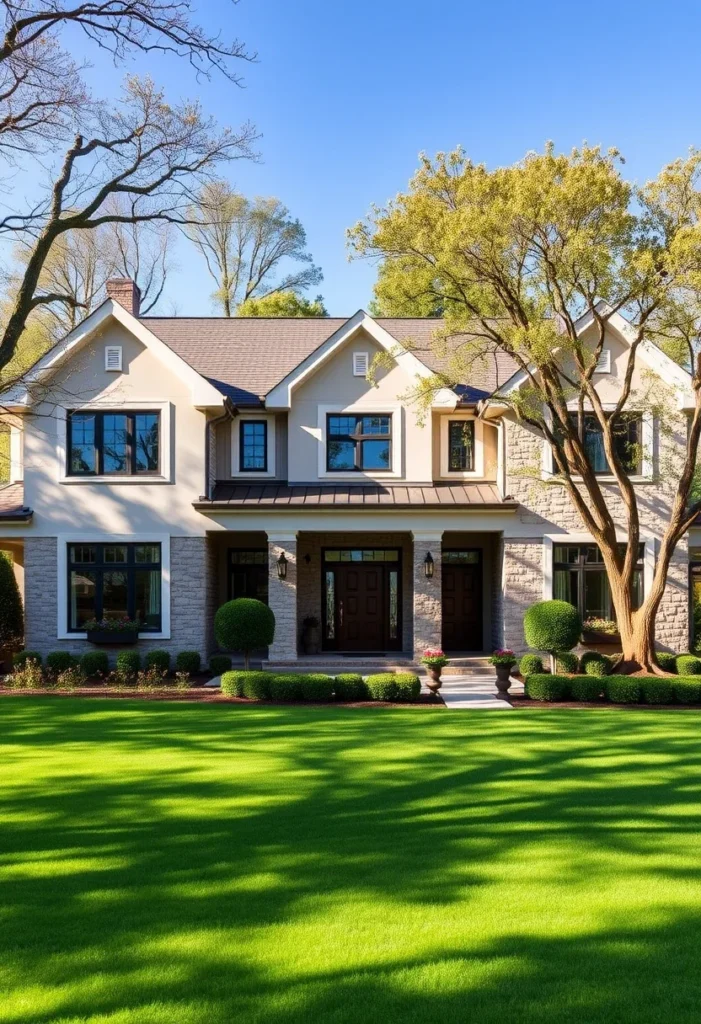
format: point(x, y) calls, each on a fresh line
point(347, 94)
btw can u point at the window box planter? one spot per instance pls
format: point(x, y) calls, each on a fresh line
point(594, 636)
point(113, 636)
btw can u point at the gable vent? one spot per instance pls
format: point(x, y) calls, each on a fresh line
point(360, 364)
point(113, 358)
point(604, 362)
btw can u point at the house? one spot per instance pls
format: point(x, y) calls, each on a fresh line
point(161, 466)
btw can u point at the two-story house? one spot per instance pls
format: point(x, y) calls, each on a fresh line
point(161, 466)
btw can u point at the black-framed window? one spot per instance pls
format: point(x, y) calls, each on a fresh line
point(461, 446)
point(253, 446)
point(114, 581)
point(114, 443)
point(362, 443)
point(579, 577)
point(627, 442)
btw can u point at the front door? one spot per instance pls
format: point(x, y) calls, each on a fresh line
point(361, 601)
point(462, 600)
point(248, 573)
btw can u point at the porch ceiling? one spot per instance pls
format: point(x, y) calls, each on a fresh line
point(342, 496)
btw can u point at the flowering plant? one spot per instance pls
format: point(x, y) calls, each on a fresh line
point(503, 657)
point(434, 657)
point(601, 626)
point(121, 625)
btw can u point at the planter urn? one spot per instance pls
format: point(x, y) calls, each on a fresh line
point(503, 680)
point(434, 679)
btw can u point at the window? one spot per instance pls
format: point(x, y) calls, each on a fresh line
point(362, 443)
point(113, 443)
point(360, 364)
point(579, 577)
point(114, 581)
point(627, 438)
point(461, 446)
point(253, 446)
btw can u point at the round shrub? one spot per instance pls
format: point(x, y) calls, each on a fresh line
point(20, 659)
point(666, 661)
point(656, 690)
point(128, 662)
point(408, 687)
point(566, 663)
point(552, 626)
point(58, 661)
point(94, 663)
point(188, 661)
point(688, 665)
point(11, 614)
point(244, 625)
point(530, 665)
point(587, 688)
point(594, 664)
point(350, 686)
point(219, 663)
point(687, 691)
point(316, 687)
point(382, 686)
point(287, 687)
point(158, 659)
point(547, 687)
point(256, 685)
point(623, 690)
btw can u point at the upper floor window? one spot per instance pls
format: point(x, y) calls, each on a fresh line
point(461, 446)
point(113, 443)
point(114, 581)
point(359, 442)
point(253, 446)
point(627, 439)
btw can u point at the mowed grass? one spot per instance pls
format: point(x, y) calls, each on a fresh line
point(167, 863)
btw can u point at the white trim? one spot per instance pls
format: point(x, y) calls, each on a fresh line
point(16, 453)
point(371, 409)
point(501, 457)
point(236, 471)
point(86, 537)
point(101, 405)
point(280, 397)
point(549, 539)
point(444, 451)
point(109, 350)
point(361, 364)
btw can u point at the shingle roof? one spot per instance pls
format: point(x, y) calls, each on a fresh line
point(245, 357)
point(12, 507)
point(448, 495)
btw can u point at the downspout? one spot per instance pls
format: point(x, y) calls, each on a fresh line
point(230, 412)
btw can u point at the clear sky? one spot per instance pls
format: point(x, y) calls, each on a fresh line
point(346, 94)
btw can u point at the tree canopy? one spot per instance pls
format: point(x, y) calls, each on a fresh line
point(283, 304)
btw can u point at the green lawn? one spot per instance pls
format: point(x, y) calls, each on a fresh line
point(167, 863)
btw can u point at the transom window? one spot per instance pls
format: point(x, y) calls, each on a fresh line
point(253, 446)
point(114, 581)
point(579, 577)
point(358, 555)
point(627, 437)
point(113, 443)
point(358, 443)
point(461, 446)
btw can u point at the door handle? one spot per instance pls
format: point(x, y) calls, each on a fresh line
point(340, 613)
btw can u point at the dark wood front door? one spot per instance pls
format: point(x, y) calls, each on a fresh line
point(462, 603)
point(361, 602)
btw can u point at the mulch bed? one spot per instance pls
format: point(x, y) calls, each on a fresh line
point(525, 703)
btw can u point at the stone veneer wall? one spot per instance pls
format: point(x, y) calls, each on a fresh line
point(282, 599)
point(428, 608)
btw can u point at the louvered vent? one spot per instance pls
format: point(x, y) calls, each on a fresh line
point(604, 363)
point(360, 364)
point(113, 358)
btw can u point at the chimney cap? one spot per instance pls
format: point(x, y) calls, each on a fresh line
point(126, 292)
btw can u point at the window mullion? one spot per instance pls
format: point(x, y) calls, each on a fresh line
point(98, 444)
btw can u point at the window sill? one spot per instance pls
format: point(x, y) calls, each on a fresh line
point(84, 636)
point(602, 479)
point(115, 480)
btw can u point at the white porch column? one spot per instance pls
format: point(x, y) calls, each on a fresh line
point(428, 618)
point(282, 596)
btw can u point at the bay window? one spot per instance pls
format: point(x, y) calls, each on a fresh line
point(114, 581)
point(579, 577)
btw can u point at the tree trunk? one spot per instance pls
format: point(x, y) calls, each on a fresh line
point(636, 628)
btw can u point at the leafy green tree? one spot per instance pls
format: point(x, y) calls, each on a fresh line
point(283, 304)
point(514, 258)
point(11, 615)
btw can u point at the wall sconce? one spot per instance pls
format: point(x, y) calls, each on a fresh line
point(282, 567)
point(428, 566)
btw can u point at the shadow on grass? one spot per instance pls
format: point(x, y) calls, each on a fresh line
point(201, 864)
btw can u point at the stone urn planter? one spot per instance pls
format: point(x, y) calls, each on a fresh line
point(503, 662)
point(311, 635)
point(435, 661)
point(434, 679)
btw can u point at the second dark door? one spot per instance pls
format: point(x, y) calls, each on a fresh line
point(462, 606)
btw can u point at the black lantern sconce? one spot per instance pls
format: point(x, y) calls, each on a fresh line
point(282, 567)
point(428, 566)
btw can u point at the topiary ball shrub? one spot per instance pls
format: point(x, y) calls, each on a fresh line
point(530, 665)
point(316, 687)
point(94, 664)
point(547, 687)
point(58, 661)
point(256, 685)
point(244, 625)
point(188, 661)
point(11, 614)
point(286, 688)
point(566, 663)
point(20, 659)
point(350, 686)
point(552, 626)
point(687, 691)
point(219, 664)
point(655, 690)
point(666, 661)
point(128, 662)
point(688, 665)
point(587, 689)
point(158, 659)
point(623, 689)
point(594, 664)
point(382, 686)
point(408, 687)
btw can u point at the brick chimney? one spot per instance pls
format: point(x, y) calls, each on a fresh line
point(126, 292)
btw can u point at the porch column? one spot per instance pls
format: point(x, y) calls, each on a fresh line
point(282, 596)
point(428, 617)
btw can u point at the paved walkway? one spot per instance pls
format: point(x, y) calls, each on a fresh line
point(473, 693)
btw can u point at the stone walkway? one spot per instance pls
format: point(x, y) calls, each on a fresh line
point(473, 693)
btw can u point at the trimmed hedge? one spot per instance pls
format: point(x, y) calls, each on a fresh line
point(20, 659)
point(58, 661)
point(688, 665)
point(95, 663)
point(687, 691)
point(547, 687)
point(530, 665)
point(128, 662)
point(552, 626)
point(587, 689)
point(287, 687)
point(232, 683)
point(594, 664)
point(623, 689)
point(256, 685)
point(188, 661)
point(656, 690)
point(158, 659)
point(219, 664)
point(666, 661)
point(402, 687)
point(317, 687)
point(566, 663)
point(350, 686)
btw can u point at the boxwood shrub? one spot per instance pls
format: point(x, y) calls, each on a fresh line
point(232, 683)
point(20, 659)
point(566, 663)
point(547, 687)
point(666, 661)
point(587, 688)
point(623, 689)
point(382, 686)
point(687, 690)
point(656, 690)
point(188, 661)
point(316, 686)
point(530, 665)
point(58, 661)
point(688, 665)
point(128, 662)
point(256, 685)
point(219, 663)
point(552, 626)
point(408, 687)
point(158, 659)
point(594, 664)
point(95, 663)
point(286, 687)
point(350, 686)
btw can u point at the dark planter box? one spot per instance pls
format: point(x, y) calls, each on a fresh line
point(592, 636)
point(113, 636)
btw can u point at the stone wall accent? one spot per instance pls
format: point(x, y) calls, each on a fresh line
point(428, 618)
point(673, 627)
point(282, 597)
point(41, 597)
point(497, 594)
point(522, 586)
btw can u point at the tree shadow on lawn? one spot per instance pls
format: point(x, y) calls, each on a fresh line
point(202, 864)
